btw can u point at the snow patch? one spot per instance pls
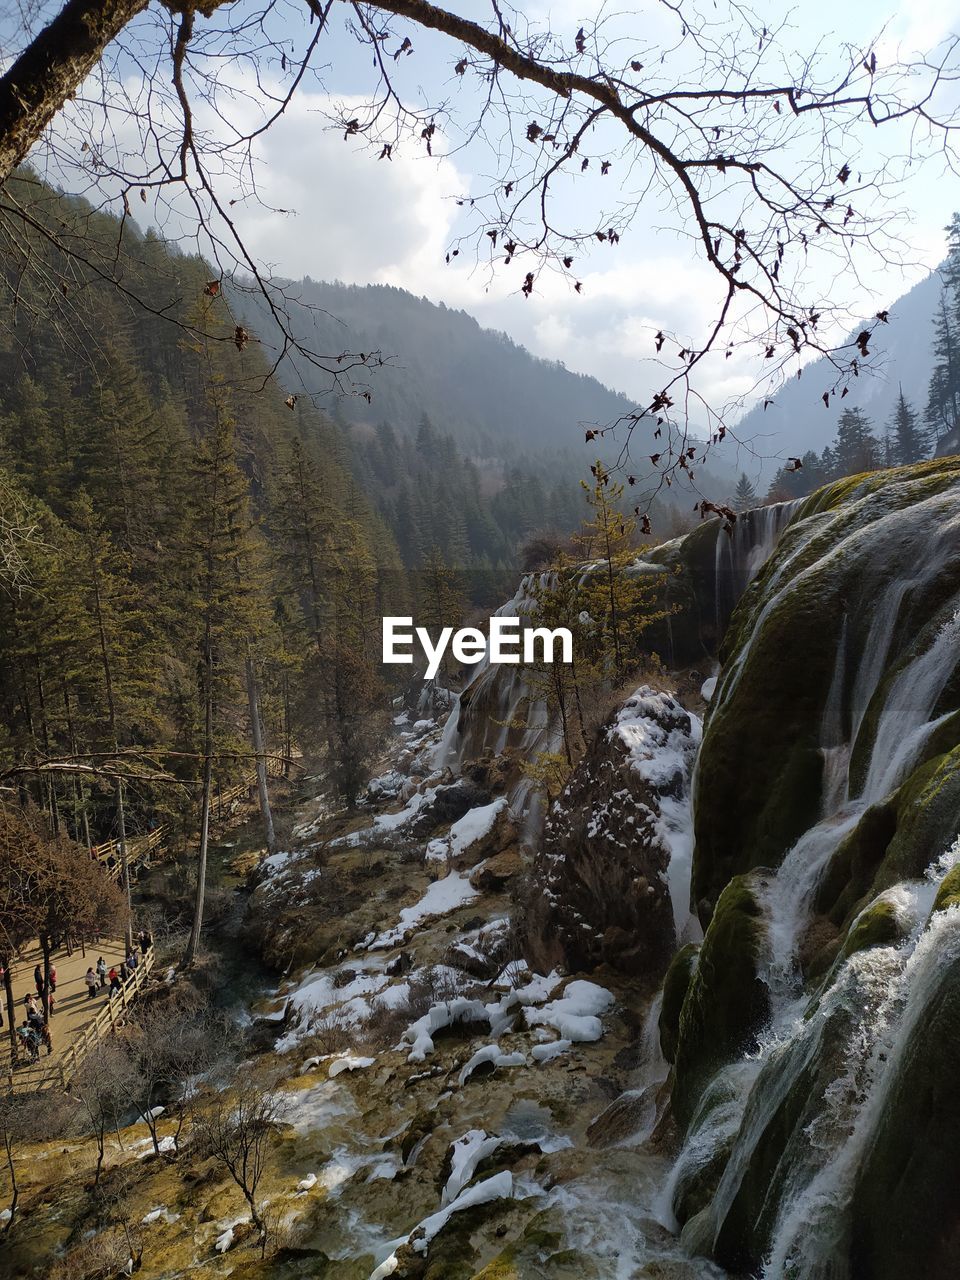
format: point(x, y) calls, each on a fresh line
point(441, 897)
point(475, 825)
point(575, 1016)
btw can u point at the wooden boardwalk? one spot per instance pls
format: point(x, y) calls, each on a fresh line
point(78, 1022)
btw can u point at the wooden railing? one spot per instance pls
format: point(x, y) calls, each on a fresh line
point(59, 1073)
point(140, 847)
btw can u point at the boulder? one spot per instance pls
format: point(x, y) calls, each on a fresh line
point(600, 892)
point(448, 804)
point(495, 872)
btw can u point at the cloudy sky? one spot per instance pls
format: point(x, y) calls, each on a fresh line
point(362, 221)
point(352, 218)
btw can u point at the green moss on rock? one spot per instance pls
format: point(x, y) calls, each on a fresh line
point(878, 925)
point(727, 1003)
point(760, 769)
point(948, 895)
point(675, 986)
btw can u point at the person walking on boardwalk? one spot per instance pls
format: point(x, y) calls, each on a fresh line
point(114, 979)
point(38, 979)
point(102, 971)
point(53, 977)
point(90, 978)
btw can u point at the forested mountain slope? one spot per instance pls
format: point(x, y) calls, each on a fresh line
point(186, 527)
point(490, 394)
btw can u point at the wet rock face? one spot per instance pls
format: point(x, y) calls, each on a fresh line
point(860, 583)
point(601, 892)
point(911, 1162)
point(726, 1001)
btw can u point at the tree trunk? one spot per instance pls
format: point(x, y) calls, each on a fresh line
point(52, 67)
point(14, 1188)
point(256, 730)
point(45, 997)
point(7, 961)
point(124, 864)
point(193, 944)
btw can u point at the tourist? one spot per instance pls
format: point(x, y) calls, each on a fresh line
point(51, 1001)
point(38, 979)
point(90, 978)
point(53, 977)
point(102, 971)
point(132, 960)
point(114, 979)
point(46, 1039)
point(35, 1020)
point(124, 971)
point(30, 1040)
point(29, 1001)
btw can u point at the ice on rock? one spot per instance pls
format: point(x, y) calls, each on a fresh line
point(447, 1013)
point(466, 1154)
point(499, 1187)
point(225, 1241)
point(491, 1053)
point(320, 992)
point(161, 1212)
point(552, 1049)
point(387, 822)
point(347, 1062)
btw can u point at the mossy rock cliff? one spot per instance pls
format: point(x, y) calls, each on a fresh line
point(727, 1002)
point(801, 633)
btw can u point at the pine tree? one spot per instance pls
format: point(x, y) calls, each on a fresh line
point(942, 411)
point(225, 586)
point(856, 448)
point(621, 604)
point(908, 444)
point(745, 495)
point(440, 598)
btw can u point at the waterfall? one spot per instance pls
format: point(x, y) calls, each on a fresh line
point(890, 574)
point(894, 987)
point(906, 725)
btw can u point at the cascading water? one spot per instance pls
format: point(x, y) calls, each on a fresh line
point(892, 987)
point(827, 1061)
